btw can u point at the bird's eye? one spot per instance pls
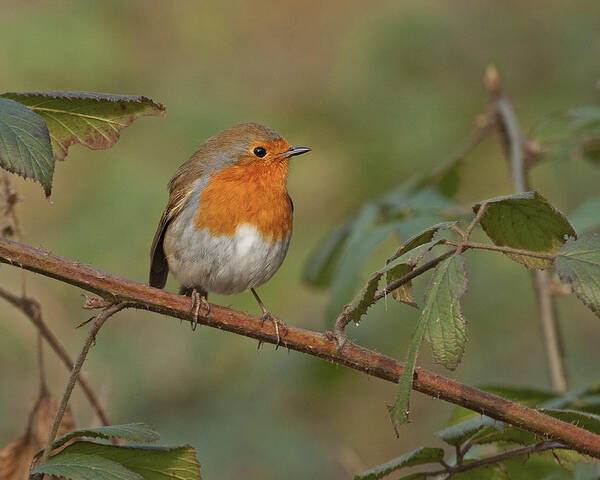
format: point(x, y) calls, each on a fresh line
point(260, 152)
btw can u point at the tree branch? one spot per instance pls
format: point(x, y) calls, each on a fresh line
point(512, 141)
point(30, 308)
point(115, 289)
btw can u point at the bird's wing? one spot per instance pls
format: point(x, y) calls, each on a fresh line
point(180, 190)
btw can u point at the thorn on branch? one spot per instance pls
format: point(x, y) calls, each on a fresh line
point(93, 303)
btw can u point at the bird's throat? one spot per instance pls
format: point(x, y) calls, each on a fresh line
point(254, 194)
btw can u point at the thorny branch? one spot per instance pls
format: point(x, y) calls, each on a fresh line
point(99, 320)
point(508, 126)
point(115, 289)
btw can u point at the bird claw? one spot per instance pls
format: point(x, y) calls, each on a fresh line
point(199, 302)
point(276, 325)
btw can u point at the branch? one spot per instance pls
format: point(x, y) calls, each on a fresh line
point(495, 248)
point(508, 126)
point(99, 320)
point(31, 309)
point(518, 452)
point(115, 289)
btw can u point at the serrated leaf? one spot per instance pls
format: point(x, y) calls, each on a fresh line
point(526, 221)
point(25, 147)
point(586, 216)
point(446, 327)
point(92, 119)
point(152, 463)
point(578, 265)
point(133, 432)
point(85, 467)
point(461, 432)
point(419, 456)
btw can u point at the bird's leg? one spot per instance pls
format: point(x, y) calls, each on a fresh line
point(199, 302)
point(267, 316)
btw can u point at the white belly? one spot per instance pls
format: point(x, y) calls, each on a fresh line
point(221, 264)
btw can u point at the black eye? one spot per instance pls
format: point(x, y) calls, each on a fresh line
point(260, 152)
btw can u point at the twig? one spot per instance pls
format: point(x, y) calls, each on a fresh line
point(508, 126)
point(497, 248)
point(518, 452)
point(91, 338)
point(30, 308)
point(117, 289)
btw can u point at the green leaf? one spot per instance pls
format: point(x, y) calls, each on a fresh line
point(85, 467)
point(588, 421)
point(446, 324)
point(461, 432)
point(578, 264)
point(526, 221)
point(92, 119)
point(363, 300)
point(400, 410)
point(404, 293)
point(133, 432)
point(508, 434)
point(586, 216)
point(152, 463)
point(446, 286)
point(527, 396)
point(321, 265)
point(25, 147)
point(419, 456)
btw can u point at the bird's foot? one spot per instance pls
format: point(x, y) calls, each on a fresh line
point(199, 303)
point(277, 325)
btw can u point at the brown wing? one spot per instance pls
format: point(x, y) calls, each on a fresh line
point(179, 192)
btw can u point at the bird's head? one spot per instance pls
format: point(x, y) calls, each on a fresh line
point(246, 144)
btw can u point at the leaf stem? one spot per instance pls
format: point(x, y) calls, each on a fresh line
point(497, 248)
point(91, 338)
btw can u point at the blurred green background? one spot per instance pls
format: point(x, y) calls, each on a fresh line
point(380, 90)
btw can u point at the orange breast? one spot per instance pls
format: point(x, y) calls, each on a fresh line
point(254, 194)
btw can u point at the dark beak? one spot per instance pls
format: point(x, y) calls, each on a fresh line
point(293, 151)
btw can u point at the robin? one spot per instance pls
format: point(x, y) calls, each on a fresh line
point(228, 222)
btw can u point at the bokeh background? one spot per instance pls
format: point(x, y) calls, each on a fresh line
point(380, 90)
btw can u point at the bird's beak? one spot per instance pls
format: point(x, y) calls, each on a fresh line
point(293, 151)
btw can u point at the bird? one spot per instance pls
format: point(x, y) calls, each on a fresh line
point(228, 221)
